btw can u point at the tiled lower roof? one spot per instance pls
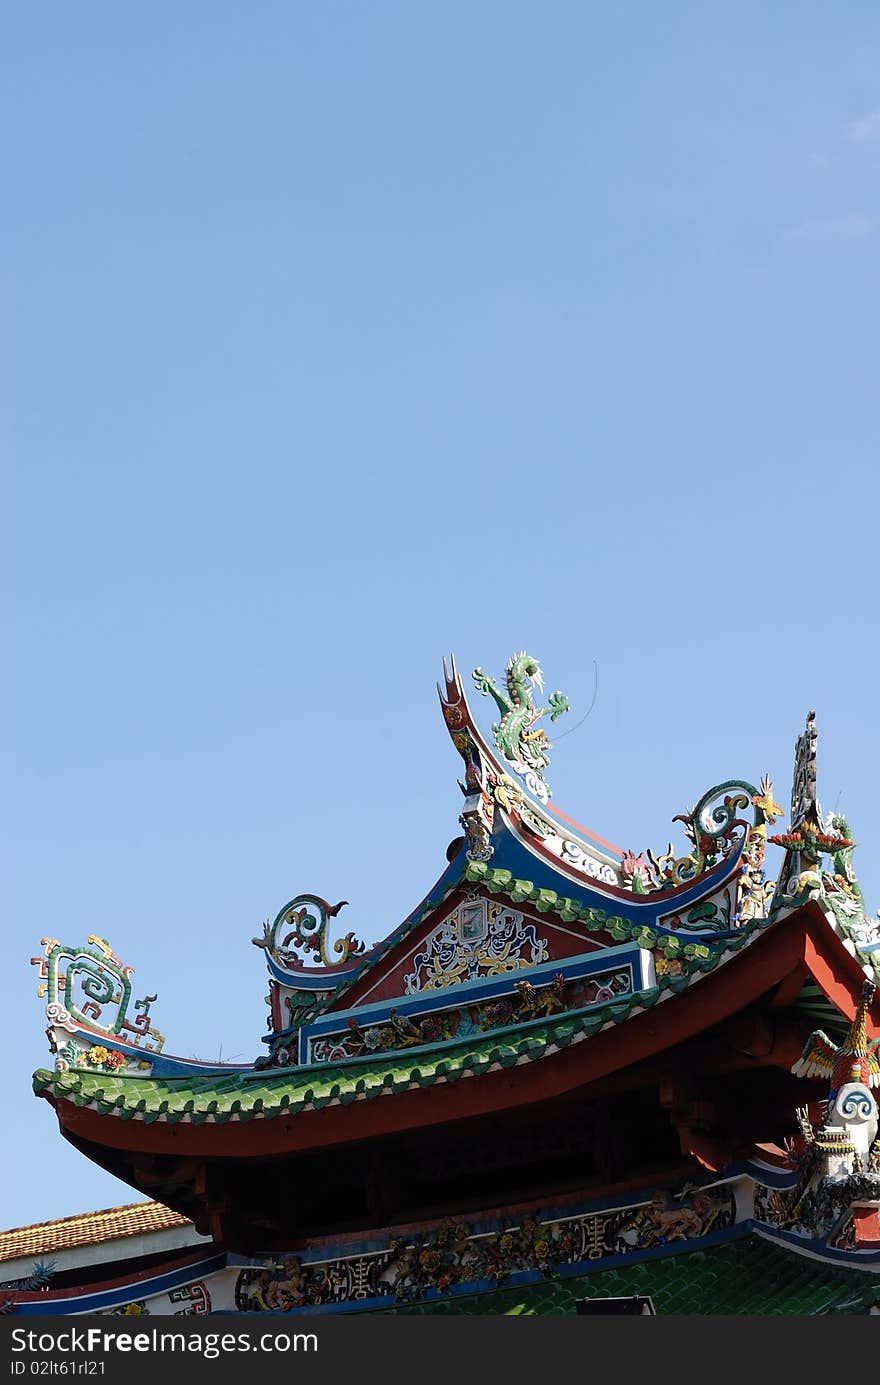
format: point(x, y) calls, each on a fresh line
point(749, 1276)
point(88, 1229)
point(245, 1095)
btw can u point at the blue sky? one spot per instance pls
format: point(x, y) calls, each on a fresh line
point(343, 335)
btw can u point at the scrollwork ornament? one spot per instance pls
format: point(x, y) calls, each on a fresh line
point(301, 930)
point(856, 1103)
point(57, 1015)
point(93, 981)
point(715, 830)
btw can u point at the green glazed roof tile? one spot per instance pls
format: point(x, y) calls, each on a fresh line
point(238, 1095)
point(749, 1277)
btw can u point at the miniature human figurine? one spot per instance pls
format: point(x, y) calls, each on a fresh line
point(289, 1292)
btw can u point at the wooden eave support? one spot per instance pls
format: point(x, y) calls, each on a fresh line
point(789, 988)
point(157, 1171)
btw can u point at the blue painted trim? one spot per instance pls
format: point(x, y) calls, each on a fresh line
point(460, 1041)
point(444, 1044)
point(770, 1177)
point(853, 1259)
point(160, 1064)
point(513, 854)
point(308, 981)
point(136, 1288)
point(521, 1278)
point(481, 988)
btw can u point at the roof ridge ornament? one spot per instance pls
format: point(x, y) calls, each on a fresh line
point(804, 802)
point(521, 742)
point(811, 837)
point(804, 841)
point(307, 917)
point(716, 831)
point(79, 984)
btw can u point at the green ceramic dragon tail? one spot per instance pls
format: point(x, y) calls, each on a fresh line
point(843, 867)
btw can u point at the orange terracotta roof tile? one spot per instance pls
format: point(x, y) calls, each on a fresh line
point(88, 1229)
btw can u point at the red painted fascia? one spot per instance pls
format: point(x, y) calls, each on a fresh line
point(803, 938)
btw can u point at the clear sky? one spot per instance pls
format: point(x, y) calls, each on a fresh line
point(341, 335)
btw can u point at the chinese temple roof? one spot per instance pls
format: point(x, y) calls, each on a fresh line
point(217, 1099)
point(542, 954)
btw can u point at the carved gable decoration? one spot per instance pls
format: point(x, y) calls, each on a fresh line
point(471, 937)
point(480, 938)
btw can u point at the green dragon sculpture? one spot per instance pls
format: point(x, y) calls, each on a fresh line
point(520, 741)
